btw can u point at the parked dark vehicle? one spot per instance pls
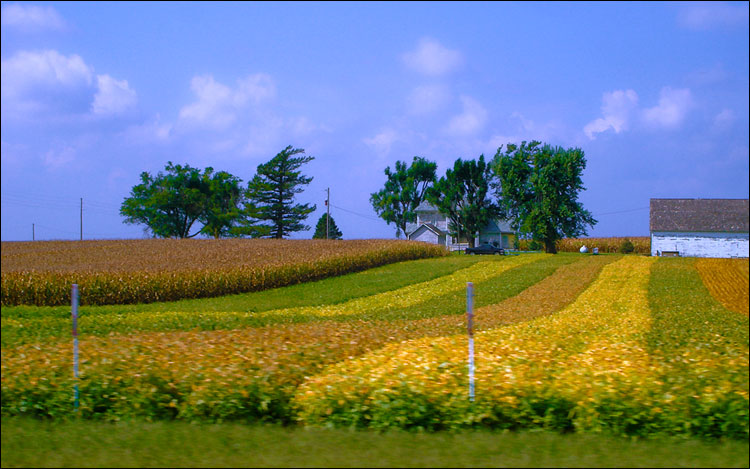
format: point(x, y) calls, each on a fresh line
point(485, 249)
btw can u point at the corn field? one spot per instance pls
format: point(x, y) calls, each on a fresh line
point(145, 271)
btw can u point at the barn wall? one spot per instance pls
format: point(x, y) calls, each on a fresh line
point(701, 244)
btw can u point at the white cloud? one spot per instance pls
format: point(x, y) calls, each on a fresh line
point(617, 109)
point(27, 69)
point(31, 18)
point(724, 119)
point(709, 15)
point(382, 142)
point(426, 99)
point(431, 58)
point(55, 159)
point(255, 88)
point(471, 120)
point(35, 81)
point(153, 131)
point(113, 96)
point(217, 104)
point(672, 108)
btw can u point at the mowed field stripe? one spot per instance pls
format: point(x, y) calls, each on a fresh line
point(727, 281)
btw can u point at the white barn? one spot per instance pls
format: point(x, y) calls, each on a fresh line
point(699, 227)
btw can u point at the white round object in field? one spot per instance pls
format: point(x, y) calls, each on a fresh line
point(584, 249)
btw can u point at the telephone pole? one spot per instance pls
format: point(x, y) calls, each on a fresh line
point(328, 209)
point(81, 218)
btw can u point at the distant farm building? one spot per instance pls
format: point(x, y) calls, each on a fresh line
point(699, 227)
point(432, 227)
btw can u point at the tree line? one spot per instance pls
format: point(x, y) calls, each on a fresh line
point(533, 185)
point(171, 203)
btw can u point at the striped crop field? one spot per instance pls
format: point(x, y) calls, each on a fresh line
point(624, 345)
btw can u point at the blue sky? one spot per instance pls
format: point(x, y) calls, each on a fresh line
point(656, 95)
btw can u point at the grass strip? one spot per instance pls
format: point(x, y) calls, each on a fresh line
point(32, 443)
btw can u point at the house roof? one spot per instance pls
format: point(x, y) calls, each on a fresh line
point(701, 215)
point(430, 227)
point(425, 207)
point(498, 226)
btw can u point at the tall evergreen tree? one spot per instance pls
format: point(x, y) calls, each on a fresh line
point(405, 188)
point(320, 228)
point(271, 194)
point(539, 186)
point(463, 195)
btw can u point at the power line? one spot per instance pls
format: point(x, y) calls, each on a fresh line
point(355, 213)
point(622, 211)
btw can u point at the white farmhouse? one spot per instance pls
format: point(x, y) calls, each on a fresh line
point(432, 227)
point(699, 227)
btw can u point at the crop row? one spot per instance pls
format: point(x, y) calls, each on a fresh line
point(248, 373)
point(179, 270)
point(727, 281)
point(592, 367)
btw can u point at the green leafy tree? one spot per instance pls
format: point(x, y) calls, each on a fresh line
point(320, 228)
point(271, 195)
point(464, 195)
point(539, 186)
point(223, 212)
point(170, 203)
point(405, 188)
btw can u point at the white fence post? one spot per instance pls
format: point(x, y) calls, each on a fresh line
point(470, 316)
point(74, 304)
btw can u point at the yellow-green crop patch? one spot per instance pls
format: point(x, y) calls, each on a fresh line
point(588, 368)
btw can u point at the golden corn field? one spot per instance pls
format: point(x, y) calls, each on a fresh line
point(627, 345)
point(144, 271)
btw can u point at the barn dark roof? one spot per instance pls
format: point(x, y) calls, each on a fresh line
point(702, 215)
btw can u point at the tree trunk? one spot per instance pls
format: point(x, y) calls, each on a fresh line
point(549, 246)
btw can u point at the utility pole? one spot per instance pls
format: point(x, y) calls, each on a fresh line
point(33, 235)
point(328, 209)
point(81, 218)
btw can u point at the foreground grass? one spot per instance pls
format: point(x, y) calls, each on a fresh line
point(33, 443)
